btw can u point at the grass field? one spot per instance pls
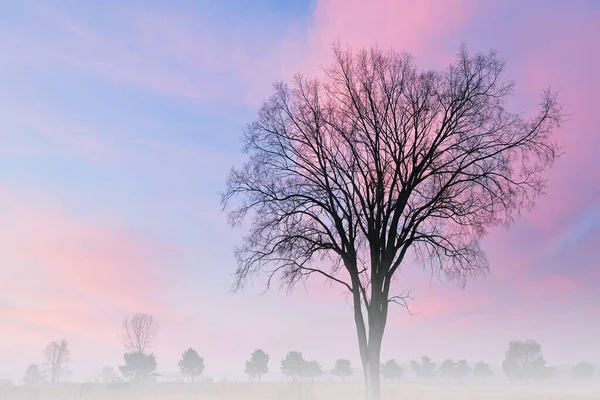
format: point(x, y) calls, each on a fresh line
point(316, 391)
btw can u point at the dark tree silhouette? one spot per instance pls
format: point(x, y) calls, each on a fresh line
point(139, 332)
point(583, 371)
point(424, 370)
point(56, 356)
point(349, 175)
point(524, 361)
point(312, 370)
point(258, 365)
point(138, 366)
point(391, 370)
point(342, 369)
point(293, 365)
point(191, 364)
point(482, 370)
point(33, 375)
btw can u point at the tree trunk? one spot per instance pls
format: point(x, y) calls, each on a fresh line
point(370, 348)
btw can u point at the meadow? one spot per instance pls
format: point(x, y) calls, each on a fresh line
point(304, 390)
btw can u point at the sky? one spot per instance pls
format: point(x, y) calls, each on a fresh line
point(119, 121)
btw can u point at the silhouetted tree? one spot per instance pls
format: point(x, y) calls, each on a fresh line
point(293, 365)
point(482, 370)
point(191, 364)
point(139, 333)
point(56, 356)
point(258, 365)
point(583, 371)
point(379, 159)
point(424, 370)
point(312, 370)
point(524, 360)
point(342, 369)
point(138, 366)
point(33, 375)
point(391, 370)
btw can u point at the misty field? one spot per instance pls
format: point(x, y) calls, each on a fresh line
point(316, 391)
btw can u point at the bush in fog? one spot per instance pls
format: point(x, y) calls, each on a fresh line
point(258, 365)
point(191, 364)
point(482, 370)
point(108, 375)
point(33, 375)
point(583, 371)
point(391, 370)
point(342, 369)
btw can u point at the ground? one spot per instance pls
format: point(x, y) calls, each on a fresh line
point(316, 391)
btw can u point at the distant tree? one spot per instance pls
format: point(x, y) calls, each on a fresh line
point(6, 382)
point(542, 372)
point(139, 333)
point(258, 365)
point(312, 370)
point(582, 371)
point(138, 366)
point(293, 365)
point(342, 369)
point(424, 370)
point(108, 375)
point(524, 361)
point(391, 370)
point(462, 370)
point(56, 356)
point(191, 364)
point(33, 375)
point(447, 370)
point(482, 370)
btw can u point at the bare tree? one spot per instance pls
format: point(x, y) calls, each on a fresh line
point(351, 175)
point(56, 356)
point(139, 332)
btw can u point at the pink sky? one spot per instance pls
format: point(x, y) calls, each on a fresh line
point(117, 137)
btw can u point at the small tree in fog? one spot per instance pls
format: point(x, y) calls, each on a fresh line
point(482, 370)
point(425, 369)
point(293, 365)
point(257, 366)
point(139, 333)
point(191, 364)
point(312, 370)
point(582, 371)
point(342, 369)
point(56, 356)
point(108, 375)
point(391, 370)
point(33, 375)
point(138, 366)
point(462, 370)
point(447, 370)
point(523, 360)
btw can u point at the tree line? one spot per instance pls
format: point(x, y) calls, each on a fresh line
point(523, 361)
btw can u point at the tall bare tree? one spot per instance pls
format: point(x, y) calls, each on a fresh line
point(378, 163)
point(139, 332)
point(56, 357)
